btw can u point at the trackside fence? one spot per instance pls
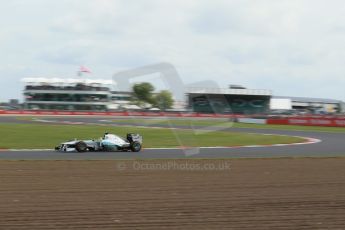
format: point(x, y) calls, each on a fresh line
point(307, 120)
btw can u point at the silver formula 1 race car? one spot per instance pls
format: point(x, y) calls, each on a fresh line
point(109, 142)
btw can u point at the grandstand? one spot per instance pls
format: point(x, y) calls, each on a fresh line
point(240, 100)
point(235, 99)
point(67, 94)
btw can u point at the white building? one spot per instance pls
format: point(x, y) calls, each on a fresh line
point(67, 94)
point(307, 104)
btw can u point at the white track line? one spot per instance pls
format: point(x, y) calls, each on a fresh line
point(309, 141)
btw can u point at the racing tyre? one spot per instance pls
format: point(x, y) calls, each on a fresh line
point(135, 146)
point(81, 146)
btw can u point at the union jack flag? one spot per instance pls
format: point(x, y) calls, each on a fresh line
point(84, 69)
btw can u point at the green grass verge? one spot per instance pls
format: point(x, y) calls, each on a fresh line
point(225, 123)
point(48, 136)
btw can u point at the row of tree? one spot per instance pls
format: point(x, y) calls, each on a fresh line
point(143, 95)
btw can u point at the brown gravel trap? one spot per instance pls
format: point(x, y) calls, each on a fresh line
point(250, 194)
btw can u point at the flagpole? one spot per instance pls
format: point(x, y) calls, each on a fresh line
point(83, 69)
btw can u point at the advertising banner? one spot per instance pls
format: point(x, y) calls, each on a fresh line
point(309, 121)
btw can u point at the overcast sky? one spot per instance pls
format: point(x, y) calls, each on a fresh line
point(293, 47)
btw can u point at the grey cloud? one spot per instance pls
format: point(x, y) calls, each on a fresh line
point(261, 44)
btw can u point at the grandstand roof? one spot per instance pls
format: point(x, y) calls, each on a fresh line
point(201, 90)
point(67, 81)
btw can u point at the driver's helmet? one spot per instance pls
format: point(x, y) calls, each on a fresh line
point(105, 134)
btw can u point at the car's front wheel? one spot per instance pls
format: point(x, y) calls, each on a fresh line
point(81, 146)
point(135, 146)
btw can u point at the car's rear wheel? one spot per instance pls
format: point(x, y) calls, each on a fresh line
point(81, 146)
point(135, 146)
